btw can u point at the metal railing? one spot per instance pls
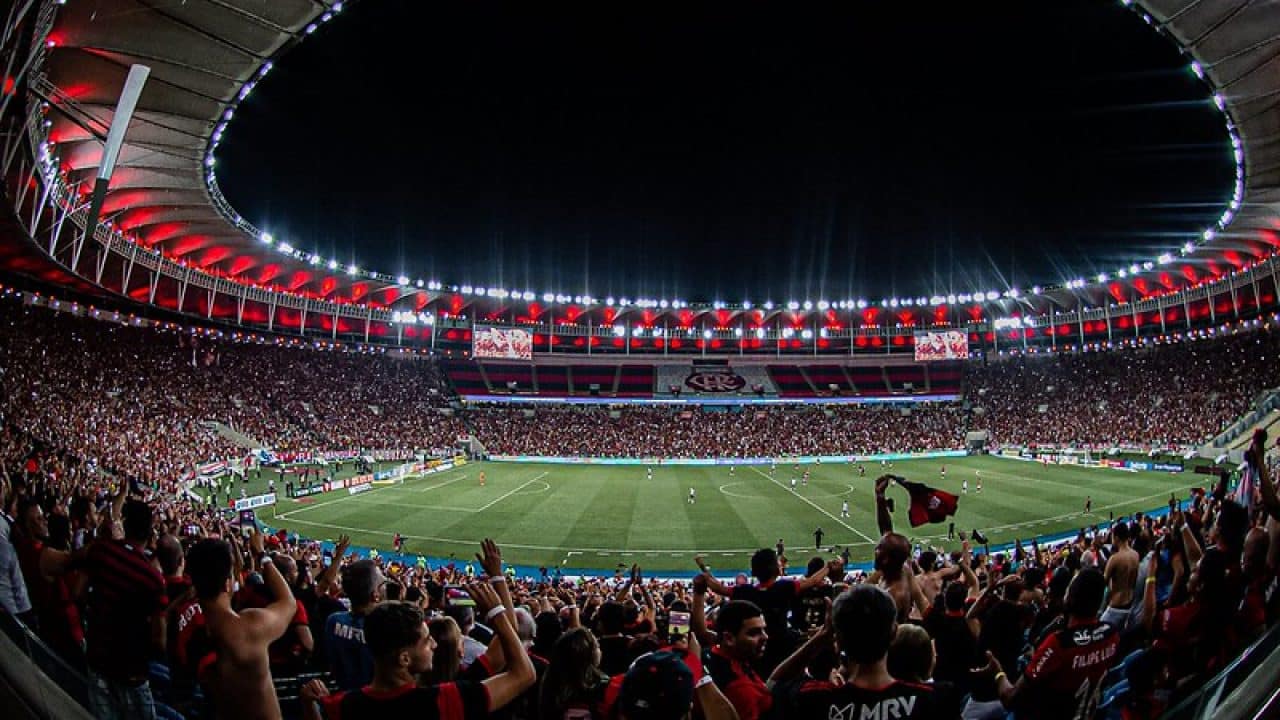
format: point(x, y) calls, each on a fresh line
point(1240, 690)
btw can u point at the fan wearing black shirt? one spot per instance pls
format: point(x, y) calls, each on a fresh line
point(773, 595)
point(863, 624)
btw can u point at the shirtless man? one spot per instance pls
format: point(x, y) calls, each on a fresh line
point(892, 569)
point(240, 677)
point(1121, 574)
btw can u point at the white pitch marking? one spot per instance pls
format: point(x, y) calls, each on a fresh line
point(817, 507)
point(509, 493)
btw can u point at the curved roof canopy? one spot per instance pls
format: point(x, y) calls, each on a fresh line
point(206, 56)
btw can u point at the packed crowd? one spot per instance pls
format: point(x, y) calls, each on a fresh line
point(646, 431)
point(171, 609)
point(137, 401)
point(1170, 396)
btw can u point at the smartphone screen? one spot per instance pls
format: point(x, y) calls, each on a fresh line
point(678, 624)
point(455, 596)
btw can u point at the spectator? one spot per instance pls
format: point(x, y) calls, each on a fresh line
point(863, 626)
point(1063, 679)
point(125, 618)
point(350, 660)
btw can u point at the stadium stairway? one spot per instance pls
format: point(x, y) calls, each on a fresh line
point(1268, 423)
point(233, 436)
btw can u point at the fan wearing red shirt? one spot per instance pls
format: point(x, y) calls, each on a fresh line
point(1064, 678)
point(741, 630)
point(397, 636)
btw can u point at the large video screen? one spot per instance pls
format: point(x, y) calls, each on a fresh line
point(949, 345)
point(502, 343)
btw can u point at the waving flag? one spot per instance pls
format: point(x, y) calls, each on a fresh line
point(928, 505)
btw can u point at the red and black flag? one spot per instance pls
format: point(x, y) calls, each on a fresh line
point(928, 505)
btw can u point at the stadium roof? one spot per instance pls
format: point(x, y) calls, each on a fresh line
point(207, 56)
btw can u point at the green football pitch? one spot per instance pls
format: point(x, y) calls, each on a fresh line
point(592, 516)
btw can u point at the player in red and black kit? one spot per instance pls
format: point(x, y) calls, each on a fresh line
point(397, 636)
point(1064, 678)
point(863, 624)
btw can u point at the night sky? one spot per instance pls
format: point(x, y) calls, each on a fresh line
point(732, 151)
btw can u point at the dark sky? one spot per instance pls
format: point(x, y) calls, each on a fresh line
point(732, 151)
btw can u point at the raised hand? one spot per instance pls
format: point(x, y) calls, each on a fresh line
point(490, 558)
point(340, 547)
point(486, 598)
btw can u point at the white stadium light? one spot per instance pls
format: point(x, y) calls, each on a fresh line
point(608, 300)
point(951, 299)
point(737, 332)
point(808, 305)
point(353, 270)
point(746, 304)
point(619, 330)
point(768, 305)
point(286, 248)
point(1209, 234)
point(402, 280)
point(548, 297)
point(759, 333)
point(1102, 277)
point(1134, 269)
point(663, 304)
point(333, 264)
point(862, 304)
point(823, 305)
point(266, 238)
point(706, 334)
point(807, 334)
point(1165, 258)
point(992, 295)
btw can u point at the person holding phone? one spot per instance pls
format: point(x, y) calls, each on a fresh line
point(740, 642)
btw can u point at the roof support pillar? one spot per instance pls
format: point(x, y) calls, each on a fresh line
point(154, 285)
point(183, 284)
point(128, 270)
point(240, 305)
point(271, 313)
point(212, 295)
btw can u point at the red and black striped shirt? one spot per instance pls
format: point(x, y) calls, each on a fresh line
point(125, 592)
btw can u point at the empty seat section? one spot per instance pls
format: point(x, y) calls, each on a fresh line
point(789, 381)
point(824, 376)
point(584, 376)
point(902, 375)
point(636, 381)
point(553, 380)
point(501, 374)
point(944, 378)
point(868, 379)
point(466, 378)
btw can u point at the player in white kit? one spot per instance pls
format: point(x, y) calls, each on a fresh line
point(844, 509)
point(693, 496)
point(793, 483)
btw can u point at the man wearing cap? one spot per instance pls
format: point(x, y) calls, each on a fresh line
point(662, 686)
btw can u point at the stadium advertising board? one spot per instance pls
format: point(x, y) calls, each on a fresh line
point(947, 345)
point(502, 343)
point(256, 501)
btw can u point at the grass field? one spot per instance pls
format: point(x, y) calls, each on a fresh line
point(597, 516)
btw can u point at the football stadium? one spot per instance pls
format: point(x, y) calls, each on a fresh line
point(581, 362)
